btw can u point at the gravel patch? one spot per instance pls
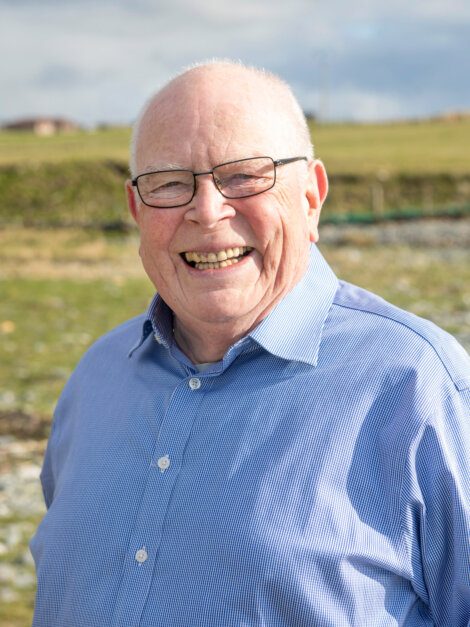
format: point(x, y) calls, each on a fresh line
point(436, 233)
point(21, 508)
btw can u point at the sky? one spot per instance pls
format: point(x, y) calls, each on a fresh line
point(98, 61)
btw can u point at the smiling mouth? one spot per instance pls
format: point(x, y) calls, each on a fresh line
point(213, 261)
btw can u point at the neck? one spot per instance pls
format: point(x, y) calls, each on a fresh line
point(205, 342)
point(206, 345)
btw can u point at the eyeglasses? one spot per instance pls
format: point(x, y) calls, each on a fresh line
point(167, 189)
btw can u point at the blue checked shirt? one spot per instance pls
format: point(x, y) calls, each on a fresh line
point(317, 476)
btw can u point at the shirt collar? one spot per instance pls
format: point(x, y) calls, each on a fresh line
point(159, 320)
point(294, 327)
point(307, 304)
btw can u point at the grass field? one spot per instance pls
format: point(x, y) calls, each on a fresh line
point(386, 149)
point(411, 147)
point(20, 148)
point(375, 170)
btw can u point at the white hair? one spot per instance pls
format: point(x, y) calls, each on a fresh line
point(283, 93)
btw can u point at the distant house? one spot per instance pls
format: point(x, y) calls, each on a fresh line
point(42, 125)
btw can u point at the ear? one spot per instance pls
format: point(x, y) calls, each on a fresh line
point(317, 191)
point(131, 200)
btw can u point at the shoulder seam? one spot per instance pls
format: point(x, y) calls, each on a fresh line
point(460, 384)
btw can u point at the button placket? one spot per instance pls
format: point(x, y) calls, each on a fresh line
point(153, 511)
point(163, 462)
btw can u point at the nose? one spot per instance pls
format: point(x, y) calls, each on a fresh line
point(208, 207)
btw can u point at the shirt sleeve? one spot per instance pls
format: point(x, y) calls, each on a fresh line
point(60, 439)
point(441, 511)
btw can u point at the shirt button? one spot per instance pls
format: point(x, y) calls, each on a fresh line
point(163, 463)
point(194, 383)
point(141, 556)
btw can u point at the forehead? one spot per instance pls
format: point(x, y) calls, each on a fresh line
point(207, 119)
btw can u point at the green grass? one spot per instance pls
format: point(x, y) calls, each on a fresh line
point(18, 613)
point(68, 193)
point(407, 147)
point(78, 179)
point(387, 149)
point(26, 148)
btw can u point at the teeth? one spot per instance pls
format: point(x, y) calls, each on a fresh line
point(222, 259)
point(216, 265)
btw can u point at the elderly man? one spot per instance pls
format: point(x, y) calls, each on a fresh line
point(268, 446)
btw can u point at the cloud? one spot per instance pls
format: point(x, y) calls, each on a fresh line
point(100, 61)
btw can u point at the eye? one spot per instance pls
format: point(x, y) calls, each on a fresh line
point(244, 176)
point(162, 185)
point(168, 186)
point(239, 179)
point(170, 189)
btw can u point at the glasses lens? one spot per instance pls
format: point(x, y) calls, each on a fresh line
point(166, 189)
point(246, 177)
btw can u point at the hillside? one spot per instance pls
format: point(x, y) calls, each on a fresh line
point(375, 171)
point(439, 146)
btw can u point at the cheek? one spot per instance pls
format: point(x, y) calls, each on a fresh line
point(156, 261)
point(293, 217)
point(292, 225)
point(155, 235)
point(264, 217)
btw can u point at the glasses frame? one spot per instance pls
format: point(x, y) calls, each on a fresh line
point(276, 163)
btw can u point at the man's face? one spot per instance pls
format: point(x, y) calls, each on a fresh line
point(198, 129)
